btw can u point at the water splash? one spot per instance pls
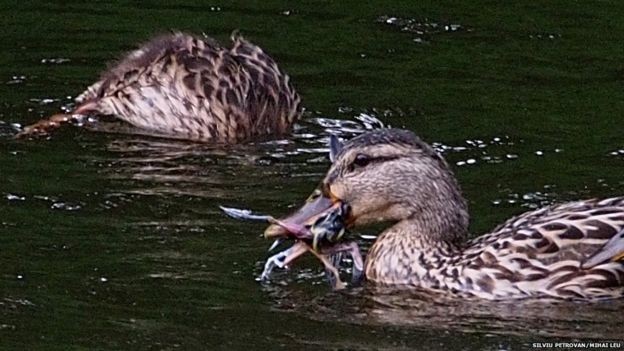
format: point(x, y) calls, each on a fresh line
point(424, 29)
point(55, 61)
point(16, 79)
point(545, 36)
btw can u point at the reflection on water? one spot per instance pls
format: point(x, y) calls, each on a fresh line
point(376, 306)
point(183, 168)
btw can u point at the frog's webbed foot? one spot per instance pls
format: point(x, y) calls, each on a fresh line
point(276, 260)
point(352, 249)
point(283, 258)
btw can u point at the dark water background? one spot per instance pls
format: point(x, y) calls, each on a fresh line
point(113, 241)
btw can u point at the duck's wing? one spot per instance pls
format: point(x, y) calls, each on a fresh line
point(272, 101)
point(542, 252)
point(578, 229)
point(155, 87)
point(613, 250)
point(191, 87)
point(172, 85)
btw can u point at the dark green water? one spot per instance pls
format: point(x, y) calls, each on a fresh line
point(111, 241)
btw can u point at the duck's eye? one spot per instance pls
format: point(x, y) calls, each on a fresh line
point(361, 160)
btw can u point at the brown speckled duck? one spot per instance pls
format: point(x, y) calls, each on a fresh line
point(188, 87)
point(572, 250)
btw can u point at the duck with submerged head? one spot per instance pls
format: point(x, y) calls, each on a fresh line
point(570, 250)
point(188, 87)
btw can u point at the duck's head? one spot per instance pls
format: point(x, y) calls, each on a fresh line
point(388, 175)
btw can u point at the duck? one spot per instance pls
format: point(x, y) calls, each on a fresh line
point(571, 250)
point(184, 86)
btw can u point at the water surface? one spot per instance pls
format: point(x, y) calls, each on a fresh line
point(115, 241)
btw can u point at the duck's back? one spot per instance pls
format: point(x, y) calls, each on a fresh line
point(544, 253)
point(188, 87)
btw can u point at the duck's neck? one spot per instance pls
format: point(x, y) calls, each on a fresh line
point(413, 252)
point(425, 241)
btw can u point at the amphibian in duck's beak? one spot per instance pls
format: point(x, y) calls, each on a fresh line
point(318, 226)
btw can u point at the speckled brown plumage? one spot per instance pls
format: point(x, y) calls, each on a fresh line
point(187, 87)
point(571, 250)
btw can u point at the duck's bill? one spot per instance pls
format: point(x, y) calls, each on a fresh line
point(316, 206)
